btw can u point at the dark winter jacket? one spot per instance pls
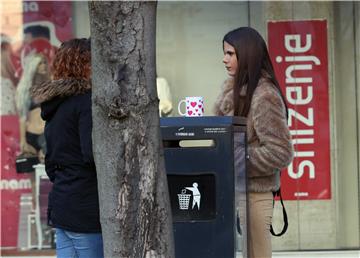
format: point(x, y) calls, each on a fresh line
point(69, 162)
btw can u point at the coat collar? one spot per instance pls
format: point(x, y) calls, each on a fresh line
point(229, 83)
point(59, 88)
point(229, 87)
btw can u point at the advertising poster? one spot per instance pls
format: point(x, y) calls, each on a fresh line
point(27, 27)
point(299, 52)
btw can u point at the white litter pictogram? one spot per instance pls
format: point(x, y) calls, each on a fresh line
point(184, 198)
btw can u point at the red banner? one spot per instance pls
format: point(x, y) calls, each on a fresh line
point(17, 16)
point(298, 50)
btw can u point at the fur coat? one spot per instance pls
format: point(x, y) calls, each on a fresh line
point(269, 142)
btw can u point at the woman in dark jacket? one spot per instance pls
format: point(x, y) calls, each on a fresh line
point(66, 107)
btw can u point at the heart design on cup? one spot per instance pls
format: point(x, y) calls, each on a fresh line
point(194, 106)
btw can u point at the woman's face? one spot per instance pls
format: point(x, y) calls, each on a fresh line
point(43, 67)
point(230, 59)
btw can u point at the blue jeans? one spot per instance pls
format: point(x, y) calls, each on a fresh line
point(78, 245)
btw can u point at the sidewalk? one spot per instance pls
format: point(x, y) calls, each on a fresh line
point(309, 254)
point(318, 254)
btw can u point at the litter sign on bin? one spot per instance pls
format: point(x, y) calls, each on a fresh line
point(192, 197)
point(184, 198)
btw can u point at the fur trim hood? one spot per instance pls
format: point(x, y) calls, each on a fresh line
point(59, 88)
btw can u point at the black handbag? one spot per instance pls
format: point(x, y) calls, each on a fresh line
point(25, 163)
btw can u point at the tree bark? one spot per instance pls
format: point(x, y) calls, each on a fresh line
point(133, 193)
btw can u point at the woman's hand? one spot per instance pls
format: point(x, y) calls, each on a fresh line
point(41, 157)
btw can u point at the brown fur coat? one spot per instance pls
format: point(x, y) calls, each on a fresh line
point(269, 142)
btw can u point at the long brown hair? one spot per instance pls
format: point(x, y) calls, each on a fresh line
point(253, 59)
point(72, 60)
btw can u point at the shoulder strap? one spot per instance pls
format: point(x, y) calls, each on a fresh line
point(278, 193)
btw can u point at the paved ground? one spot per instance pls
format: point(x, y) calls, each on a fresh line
point(309, 254)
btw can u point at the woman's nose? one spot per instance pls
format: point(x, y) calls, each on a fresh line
point(225, 60)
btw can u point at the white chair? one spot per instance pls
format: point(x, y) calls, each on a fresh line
point(40, 173)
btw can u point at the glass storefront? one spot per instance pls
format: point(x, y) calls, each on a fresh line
point(315, 48)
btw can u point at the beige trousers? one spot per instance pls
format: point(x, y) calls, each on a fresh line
point(260, 212)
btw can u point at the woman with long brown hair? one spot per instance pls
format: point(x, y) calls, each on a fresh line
point(66, 107)
point(252, 91)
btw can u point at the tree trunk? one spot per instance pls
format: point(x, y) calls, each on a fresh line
point(134, 202)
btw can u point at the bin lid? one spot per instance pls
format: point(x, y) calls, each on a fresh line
point(202, 121)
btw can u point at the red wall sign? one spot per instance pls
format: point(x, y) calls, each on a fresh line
point(299, 53)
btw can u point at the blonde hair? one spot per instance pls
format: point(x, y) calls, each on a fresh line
point(7, 67)
point(23, 98)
